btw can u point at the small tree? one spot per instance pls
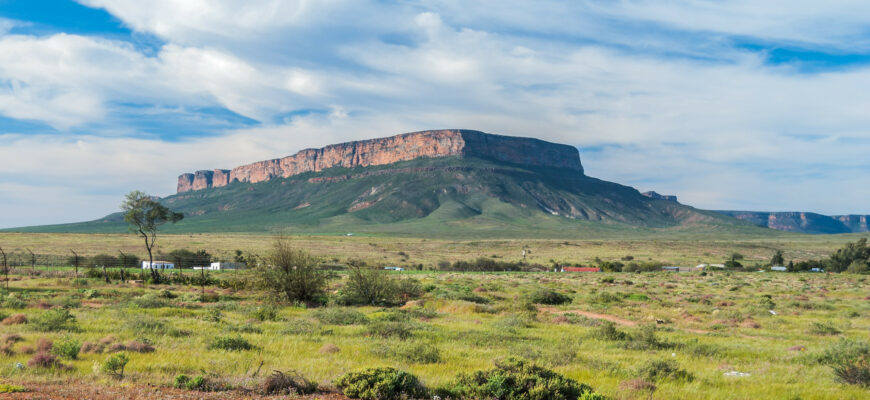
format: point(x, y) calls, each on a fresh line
point(145, 215)
point(292, 274)
point(777, 258)
point(369, 285)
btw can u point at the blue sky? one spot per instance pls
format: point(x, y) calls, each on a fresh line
point(727, 104)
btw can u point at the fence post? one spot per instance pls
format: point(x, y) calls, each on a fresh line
point(5, 268)
point(75, 261)
point(123, 265)
point(32, 260)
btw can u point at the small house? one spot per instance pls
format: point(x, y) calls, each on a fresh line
point(778, 268)
point(671, 268)
point(581, 269)
point(158, 265)
point(394, 268)
point(816, 270)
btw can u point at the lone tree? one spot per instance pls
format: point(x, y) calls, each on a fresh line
point(291, 274)
point(777, 259)
point(144, 215)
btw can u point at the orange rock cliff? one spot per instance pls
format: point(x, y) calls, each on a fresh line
point(408, 146)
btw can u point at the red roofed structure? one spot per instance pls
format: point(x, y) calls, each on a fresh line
point(581, 269)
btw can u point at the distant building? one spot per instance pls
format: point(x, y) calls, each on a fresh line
point(222, 266)
point(581, 269)
point(394, 268)
point(816, 270)
point(158, 265)
point(671, 268)
point(705, 266)
point(778, 268)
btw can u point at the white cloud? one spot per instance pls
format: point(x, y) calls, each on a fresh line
point(724, 131)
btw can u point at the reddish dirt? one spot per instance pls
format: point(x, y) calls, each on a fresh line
point(587, 314)
point(57, 391)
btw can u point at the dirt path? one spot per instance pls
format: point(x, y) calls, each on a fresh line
point(73, 391)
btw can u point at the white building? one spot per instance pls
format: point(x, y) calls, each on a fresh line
point(158, 265)
point(779, 268)
point(221, 266)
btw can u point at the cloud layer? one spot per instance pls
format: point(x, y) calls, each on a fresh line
point(681, 97)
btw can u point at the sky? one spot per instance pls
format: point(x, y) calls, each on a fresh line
point(738, 105)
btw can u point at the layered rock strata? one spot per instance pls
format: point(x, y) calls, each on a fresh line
point(409, 146)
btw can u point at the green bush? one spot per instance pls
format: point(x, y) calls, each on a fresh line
point(265, 313)
point(227, 343)
point(199, 383)
point(543, 296)
point(607, 331)
point(115, 365)
point(856, 372)
point(824, 328)
point(389, 329)
point(67, 348)
point(56, 319)
point(340, 316)
point(380, 384)
point(844, 351)
point(7, 388)
point(514, 379)
point(655, 370)
point(148, 300)
point(420, 353)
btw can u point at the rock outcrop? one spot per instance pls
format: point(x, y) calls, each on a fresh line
point(804, 222)
point(655, 196)
point(409, 146)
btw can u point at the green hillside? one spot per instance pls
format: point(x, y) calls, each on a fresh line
point(438, 197)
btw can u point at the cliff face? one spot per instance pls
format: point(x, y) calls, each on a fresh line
point(409, 146)
point(655, 196)
point(805, 222)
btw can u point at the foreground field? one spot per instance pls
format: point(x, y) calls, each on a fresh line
point(661, 335)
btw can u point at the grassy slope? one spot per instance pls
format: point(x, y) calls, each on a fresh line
point(466, 198)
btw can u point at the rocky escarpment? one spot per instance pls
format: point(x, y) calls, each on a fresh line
point(805, 222)
point(409, 146)
point(656, 196)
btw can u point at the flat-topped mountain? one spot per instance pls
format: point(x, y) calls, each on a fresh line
point(405, 147)
point(447, 183)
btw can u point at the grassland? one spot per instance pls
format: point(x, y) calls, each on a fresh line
point(413, 251)
point(710, 325)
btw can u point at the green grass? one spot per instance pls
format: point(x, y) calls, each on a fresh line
point(703, 323)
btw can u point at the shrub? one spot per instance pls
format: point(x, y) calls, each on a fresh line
point(213, 315)
point(844, 351)
point(369, 285)
point(43, 360)
point(148, 300)
point(246, 328)
point(237, 343)
point(7, 388)
point(165, 294)
point(607, 331)
point(514, 379)
point(114, 365)
point(56, 319)
point(646, 339)
point(199, 383)
point(389, 329)
point(550, 297)
point(287, 383)
point(380, 384)
point(265, 313)
point(292, 274)
point(420, 353)
point(340, 316)
point(67, 348)
point(655, 370)
point(15, 319)
point(146, 324)
point(824, 328)
point(139, 346)
point(856, 372)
